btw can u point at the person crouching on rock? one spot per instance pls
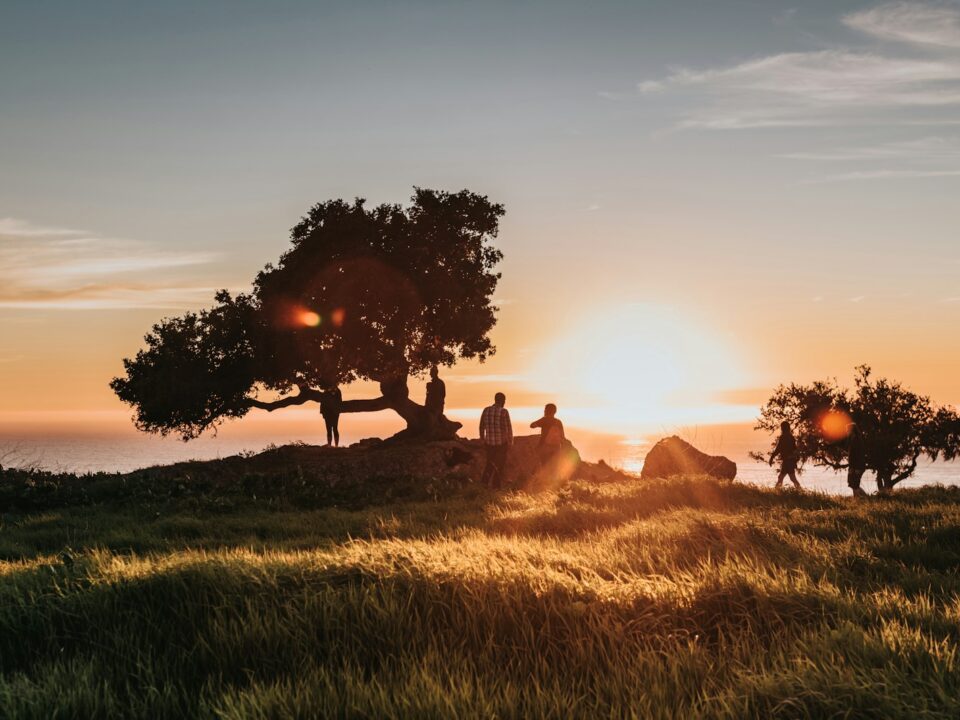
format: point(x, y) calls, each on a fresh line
point(551, 434)
point(436, 394)
point(786, 450)
point(330, 404)
point(496, 434)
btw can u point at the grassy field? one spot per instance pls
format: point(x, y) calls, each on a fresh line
point(678, 599)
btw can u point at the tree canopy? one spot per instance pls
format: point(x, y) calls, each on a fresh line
point(895, 427)
point(376, 294)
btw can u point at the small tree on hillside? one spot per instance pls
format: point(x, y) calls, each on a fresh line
point(897, 427)
point(375, 294)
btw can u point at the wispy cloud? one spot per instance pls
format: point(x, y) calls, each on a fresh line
point(911, 22)
point(920, 149)
point(21, 228)
point(614, 96)
point(888, 174)
point(490, 378)
point(916, 84)
point(43, 266)
point(825, 87)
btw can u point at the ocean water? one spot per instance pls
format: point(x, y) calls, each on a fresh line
point(812, 478)
point(121, 449)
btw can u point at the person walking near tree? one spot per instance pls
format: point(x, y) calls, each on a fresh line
point(786, 450)
point(496, 433)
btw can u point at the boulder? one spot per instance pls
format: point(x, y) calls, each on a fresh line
point(673, 456)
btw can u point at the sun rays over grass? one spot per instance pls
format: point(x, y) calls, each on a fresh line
point(647, 599)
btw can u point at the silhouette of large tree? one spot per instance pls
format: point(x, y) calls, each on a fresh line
point(375, 294)
point(896, 426)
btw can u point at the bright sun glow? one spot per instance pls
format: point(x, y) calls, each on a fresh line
point(634, 367)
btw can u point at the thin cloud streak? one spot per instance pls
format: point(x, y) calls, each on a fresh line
point(910, 22)
point(825, 87)
point(921, 149)
point(21, 228)
point(882, 175)
point(63, 268)
point(110, 297)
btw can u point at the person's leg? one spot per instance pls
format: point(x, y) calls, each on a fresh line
point(488, 468)
point(793, 479)
point(780, 476)
point(499, 457)
point(502, 463)
point(854, 476)
point(329, 426)
point(543, 456)
point(336, 430)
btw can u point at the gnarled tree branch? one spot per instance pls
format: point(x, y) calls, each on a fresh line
point(370, 405)
point(305, 395)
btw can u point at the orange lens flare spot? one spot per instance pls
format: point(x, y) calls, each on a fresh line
point(835, 425)
point(308, 318)
point(337, 317)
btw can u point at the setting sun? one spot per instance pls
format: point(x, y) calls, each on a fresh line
point(636, 365)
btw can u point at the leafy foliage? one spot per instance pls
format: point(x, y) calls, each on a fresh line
point(363, 294)
point(195, 369)
point(894, 426)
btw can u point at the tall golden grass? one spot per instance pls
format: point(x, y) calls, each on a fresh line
point(666, 599)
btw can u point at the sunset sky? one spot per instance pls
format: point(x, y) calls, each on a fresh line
point(703, 199)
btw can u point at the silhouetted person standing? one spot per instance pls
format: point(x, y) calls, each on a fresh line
point(331, 402)
point(786, 450)
point(496, 433)
point(436, 393)
point(551, 434)
point(856, 460)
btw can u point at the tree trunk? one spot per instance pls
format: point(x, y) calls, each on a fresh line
point(421, 423)
point(884, 483)
point(892, 479)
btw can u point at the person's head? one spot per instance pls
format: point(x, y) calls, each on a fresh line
point(785, 427)
point(550, 410)
point(500, 399)
point(434, 373)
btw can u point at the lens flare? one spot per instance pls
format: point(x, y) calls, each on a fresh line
point(337, 317)
point(308, 318)
point(835, 425)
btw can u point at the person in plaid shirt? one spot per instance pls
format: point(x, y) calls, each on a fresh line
point(496, 433)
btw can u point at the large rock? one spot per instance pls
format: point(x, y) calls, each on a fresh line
point(673, 456)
